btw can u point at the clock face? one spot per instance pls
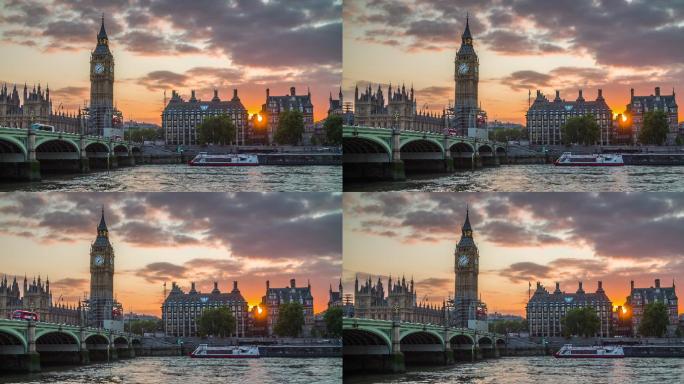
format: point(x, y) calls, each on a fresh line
point(99, 68)
point(463, 68)
point(99, 260)
point(462, 261)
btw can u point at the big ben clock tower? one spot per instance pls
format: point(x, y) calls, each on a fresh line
point(466, 76)
point(101, 86)
point(466, 269)
point(101, 277)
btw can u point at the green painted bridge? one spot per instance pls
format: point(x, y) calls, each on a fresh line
point(25, 153)
point(27, 345)
point(388, 346)
point(387, 154)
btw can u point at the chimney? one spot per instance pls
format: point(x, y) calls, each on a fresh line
point(235, 288)
point(557, 94)
point(557, 283)
point(580, 93)
point(292, 91)
point(268, 285)
point(292, 283)
point(600, 285)
point(600, 93)
point(657, 281)
point(631, 91)
point(215, 285)
point(215, 92)
point(192, 285)
point(268, 92)
point(235, 93)
point(631, 283)
point(657, 91)
point(580, 286)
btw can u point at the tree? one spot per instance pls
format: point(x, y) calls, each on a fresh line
point(138, 135)
point(506, 326)
point(216, 130)
point(655, 320)
point(655, 128)
point(505, 134)
point(290, 128)
point(580, 321)
point(333, 321)
point(140, 326)
point(333, 130)
point(216, 322)
point(290, 320)
point(581, 130)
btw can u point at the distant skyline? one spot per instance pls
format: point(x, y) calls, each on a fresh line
point(522, 45)
point(181, 237)
point(522, 238)
point(248, 45)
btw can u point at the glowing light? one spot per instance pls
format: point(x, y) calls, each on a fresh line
point(624, 310)
point(259, 118)
point(259, 310)
point(624, 118)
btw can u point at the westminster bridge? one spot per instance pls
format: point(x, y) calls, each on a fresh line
point(388, 154)
point(389, 346)
point(28, 345)
point(27, 153)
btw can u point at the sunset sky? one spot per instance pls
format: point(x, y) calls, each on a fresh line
point(167, 44)
point(522, 237)
point(181, 237)
point(522, 45)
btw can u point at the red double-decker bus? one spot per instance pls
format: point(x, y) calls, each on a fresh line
point(24, 315)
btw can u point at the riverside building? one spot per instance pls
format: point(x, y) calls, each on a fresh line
point(639, 105)
point(181, 311)
point(275, 105)
point(546, 117)
point(181, 118)
point(545, 310)
point(639, 298)
point(275, 297)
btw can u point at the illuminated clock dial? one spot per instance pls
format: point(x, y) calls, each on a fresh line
point(463, 68)
point(99, 260)
point(99, 68)
point(462, 261)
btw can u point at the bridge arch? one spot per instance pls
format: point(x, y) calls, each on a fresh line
point(56, 145)
point(420, 144)
point(10, 146)
point(461, 340)
point(485, 148)
point(500, 150)
point(120, 341)
point(136, 150)
point(419, 336)
point(120, 149)
point(357, 337)
point(97, 147)
point(485, 340)
point(50, 340)
point(368, 146)
point(462, 147)
point(500, 342)
point(10, 338)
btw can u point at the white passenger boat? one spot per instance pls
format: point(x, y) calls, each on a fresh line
point(599, 352)
point(230, 160)
point(600, 160)
point(229, 352)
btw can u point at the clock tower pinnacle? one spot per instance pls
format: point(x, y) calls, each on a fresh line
point(101, 276)
point(466, 270)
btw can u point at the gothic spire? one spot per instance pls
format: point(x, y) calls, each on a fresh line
point(103, 33)
point(466, 224)
point(103, 225)
point(466, 33)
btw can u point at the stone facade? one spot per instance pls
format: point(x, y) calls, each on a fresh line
point(639, 298)
point(37, 298)
point(335, 298)
point(399, 112)
point(545, 310)
point(545, 118)
point(181, 311)
point(467, 306)
point(639, 105)
point(181, 118)
point(104, 119)
point(102, 307)
point(335, 106)
point(275, 297)
point(275, 105)
point(36, 108)
point(400, 303)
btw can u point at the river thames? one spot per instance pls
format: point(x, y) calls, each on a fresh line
point(183, 178)
point(543, 370)
point(540, 178)
point(184, 370)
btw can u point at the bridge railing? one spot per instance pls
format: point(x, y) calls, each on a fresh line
point(440, 133)
point(62, 133)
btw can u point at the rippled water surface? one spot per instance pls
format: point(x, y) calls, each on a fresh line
point(180, 178)
point(541, 178)
point(183, 370)
point(544, 370)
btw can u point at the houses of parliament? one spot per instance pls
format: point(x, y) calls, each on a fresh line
point(35, 106)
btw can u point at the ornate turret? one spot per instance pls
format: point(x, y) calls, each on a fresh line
point(102, 40)
point(467, 38)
